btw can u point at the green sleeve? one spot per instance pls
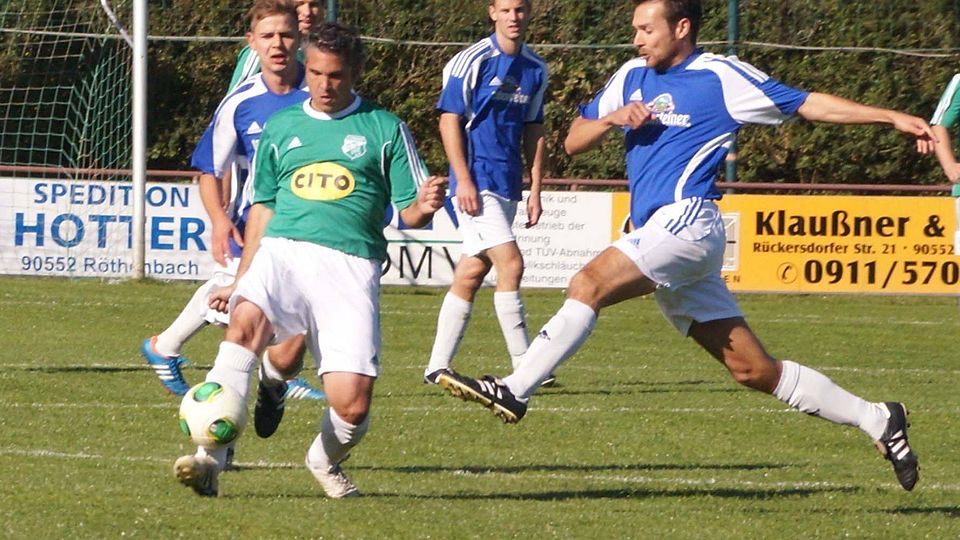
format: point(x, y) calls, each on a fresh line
point(948, 110)
point(247, 64)
point(405, 170)
point(265, 167)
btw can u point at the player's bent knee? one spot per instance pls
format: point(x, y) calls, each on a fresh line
point(584, 287)
point(354, 413)
point(760, 376)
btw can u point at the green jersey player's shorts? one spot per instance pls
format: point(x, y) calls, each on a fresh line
point(333, 297)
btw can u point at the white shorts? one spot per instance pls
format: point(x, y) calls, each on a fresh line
point(680, 248)
point(223, 276)
point(333, 297)
point(494, 225)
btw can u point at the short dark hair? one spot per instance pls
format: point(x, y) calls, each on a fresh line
point(342, 40)
point(681, 9)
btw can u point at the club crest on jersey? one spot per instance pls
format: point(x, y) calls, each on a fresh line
point(322, 182)
point(662, 107)
point(354, 146)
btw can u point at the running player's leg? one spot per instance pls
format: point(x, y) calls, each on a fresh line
point(162, 352)
point(608, 279)
point(343, 424)
point(733, 343)
point(345, 335)
point(507, 301)
point(279, 364)
point(455, 313)
point(247, 335)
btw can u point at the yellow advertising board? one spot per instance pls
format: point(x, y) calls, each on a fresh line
point(838, 244)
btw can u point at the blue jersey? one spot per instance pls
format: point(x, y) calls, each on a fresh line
point(497, 94)
point(233, 135)
point(699, 106)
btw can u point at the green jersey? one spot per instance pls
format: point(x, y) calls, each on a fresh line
point(248, 63)
point(330, 178)
point(948, 110)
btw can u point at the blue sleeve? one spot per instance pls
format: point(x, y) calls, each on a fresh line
point(202, 158)
point(451, 97)
point(612, 96)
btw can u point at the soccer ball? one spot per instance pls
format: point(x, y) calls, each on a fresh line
point(212, 415)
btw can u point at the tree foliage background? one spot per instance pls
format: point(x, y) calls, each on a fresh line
point(187, 79)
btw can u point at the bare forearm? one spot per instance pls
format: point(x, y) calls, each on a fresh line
point(211, 195)
point(535, 152)
point(944, 147)
point(257, 220)
point(837, 110)
point(454, 145)
point(586, 134)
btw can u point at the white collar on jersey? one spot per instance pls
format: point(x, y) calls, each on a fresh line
point(319, 115)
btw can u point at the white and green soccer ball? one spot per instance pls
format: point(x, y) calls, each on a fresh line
point(212, 415)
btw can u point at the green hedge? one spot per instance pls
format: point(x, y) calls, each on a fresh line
point(187, 80)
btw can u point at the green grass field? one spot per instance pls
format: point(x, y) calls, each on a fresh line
point(645, 436)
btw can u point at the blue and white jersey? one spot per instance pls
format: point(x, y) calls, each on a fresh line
point(233, 135)
point(497, 95)
point(699, 106)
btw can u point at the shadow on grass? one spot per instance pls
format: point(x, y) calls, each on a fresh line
point(562, 495)
point(470, 469)
point(948, 511)
point(629, 493)
point(479, 470)
point(83, 369)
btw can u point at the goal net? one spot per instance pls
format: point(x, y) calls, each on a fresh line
point(64, 87)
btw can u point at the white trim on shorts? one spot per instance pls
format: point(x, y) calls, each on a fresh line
point(333, 297)
point(493, 227)
point(680, 248)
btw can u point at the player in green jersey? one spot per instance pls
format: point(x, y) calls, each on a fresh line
point(945, 117)
point(325, 173)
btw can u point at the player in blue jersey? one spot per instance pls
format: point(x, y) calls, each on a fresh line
point(491, 118)
point(679, 108)
point(248, 64)
point(231, 139)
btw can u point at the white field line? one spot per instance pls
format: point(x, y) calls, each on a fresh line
point(493, 473)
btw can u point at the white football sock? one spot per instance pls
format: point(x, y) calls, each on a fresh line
point(233, 367)
point(268, 373)
point(188, 322)
point(510, 313)
point(810, 391)
point(451, 324)
point(218, 454)
point(336, 438)
point(560, 337)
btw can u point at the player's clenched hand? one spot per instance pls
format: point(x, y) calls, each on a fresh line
point(918, 127)
point(432, 194)
point(631, 115)
point(219, 299)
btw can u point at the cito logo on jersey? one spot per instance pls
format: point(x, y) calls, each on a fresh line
point(322, 182)
point(662, 107)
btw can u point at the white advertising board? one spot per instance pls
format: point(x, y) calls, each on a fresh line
point(84, 229)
